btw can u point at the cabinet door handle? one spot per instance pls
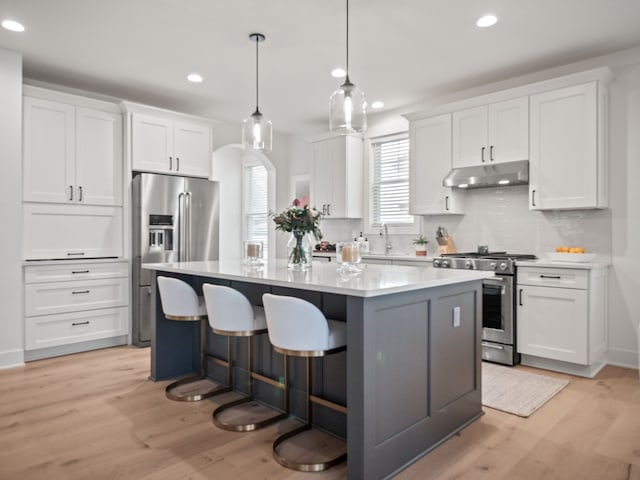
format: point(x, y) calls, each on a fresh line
point(79, 194)
point(533, 198)
point(520, 297)
point(491, 153)
point(71, 193)
point(170, 163)
point(482, 154)
point(177, 164)
point(446, 203)
point(328, 209)
point(554, 277)
point(80, 323)
point(79, 271)
point(78, 292)
point(70, 254)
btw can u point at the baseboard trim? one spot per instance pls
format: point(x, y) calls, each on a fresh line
point(623, 358)
point(41, 353)
point(11, 358)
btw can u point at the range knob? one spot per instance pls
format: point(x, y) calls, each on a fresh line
point(445, 263)
point(468, 265)
point(503, 266)
point(493, 265)
point(436, 263)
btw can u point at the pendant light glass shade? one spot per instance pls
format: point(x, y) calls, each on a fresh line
point(348, 104)
point(348, 109)
point(256, 129)
point(256, 132)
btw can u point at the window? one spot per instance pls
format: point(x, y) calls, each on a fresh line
point(256, 208)
point(389, 182)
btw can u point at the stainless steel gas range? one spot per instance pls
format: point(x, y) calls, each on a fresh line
point(498, 300)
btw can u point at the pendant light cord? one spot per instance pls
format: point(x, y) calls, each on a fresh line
point(347, 68)
point(257, 41)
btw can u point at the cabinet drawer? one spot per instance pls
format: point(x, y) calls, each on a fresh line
point(50, 298)
point(554, 277)
point(74, 271)
point(62, 329)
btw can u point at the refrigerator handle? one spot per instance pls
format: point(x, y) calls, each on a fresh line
point(181, 229)
point(187, 230)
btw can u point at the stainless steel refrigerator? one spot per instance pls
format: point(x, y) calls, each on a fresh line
point(175, 219)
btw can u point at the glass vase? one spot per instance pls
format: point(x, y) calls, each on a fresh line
point(299, 249)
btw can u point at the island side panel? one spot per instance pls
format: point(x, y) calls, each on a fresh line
point(399, 409)
point(174, 345)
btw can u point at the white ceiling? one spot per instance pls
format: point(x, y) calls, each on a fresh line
point(401, 51)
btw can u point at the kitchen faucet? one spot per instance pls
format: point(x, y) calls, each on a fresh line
point(387, 242)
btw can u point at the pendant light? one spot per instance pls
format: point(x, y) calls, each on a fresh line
point(348, 104)
point(256, 129)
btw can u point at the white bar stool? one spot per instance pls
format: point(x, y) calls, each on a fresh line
point(298, 328)
point(181, 303)
point(230, 314)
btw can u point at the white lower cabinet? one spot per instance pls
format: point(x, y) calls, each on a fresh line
point(75, 303)
point(561, 318)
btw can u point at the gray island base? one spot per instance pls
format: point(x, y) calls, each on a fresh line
point(410, 376)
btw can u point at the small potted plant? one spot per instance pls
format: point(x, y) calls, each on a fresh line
point(421, 246)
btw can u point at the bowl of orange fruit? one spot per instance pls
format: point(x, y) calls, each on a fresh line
point(564, 253)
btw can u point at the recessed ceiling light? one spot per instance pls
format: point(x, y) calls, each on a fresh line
point(487, 21)
point(194, 77)
point(463, 185)
point(503, 182)
point(377, 104)
point(13, 25)
point(338, 73)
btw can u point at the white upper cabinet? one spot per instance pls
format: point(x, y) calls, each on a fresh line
point(429, 162)
point(98, 157)
point(498, 132)
point(337, 177)
point(72, 154)
point(161, 144)
point(568, 148)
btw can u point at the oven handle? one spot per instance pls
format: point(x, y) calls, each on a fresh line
point(494, 279)
point(496, 347)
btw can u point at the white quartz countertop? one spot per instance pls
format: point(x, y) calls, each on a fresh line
point(374, 280)
point(546, 262)
point(381, 256)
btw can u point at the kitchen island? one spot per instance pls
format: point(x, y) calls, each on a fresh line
point(410, 376)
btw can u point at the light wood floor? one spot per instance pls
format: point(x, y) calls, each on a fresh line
point(96, 416)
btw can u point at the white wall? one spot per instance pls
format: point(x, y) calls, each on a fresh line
point(624, 199)
point(11, 324)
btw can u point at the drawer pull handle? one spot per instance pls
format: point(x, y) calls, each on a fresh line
point(75, 253)
point(555, 277)
point(80, 291)
point(80, 323)
point(79, 271)
point(520, 298)
point(495, 347)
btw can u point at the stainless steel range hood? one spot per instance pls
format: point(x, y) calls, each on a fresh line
point(492, 175)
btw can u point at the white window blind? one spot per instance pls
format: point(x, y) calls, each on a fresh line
point(390, 181)
point(256, 210)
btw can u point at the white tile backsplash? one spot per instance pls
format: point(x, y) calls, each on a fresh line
point(500, 218)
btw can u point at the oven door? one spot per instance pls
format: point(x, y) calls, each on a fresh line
point(497, 310)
